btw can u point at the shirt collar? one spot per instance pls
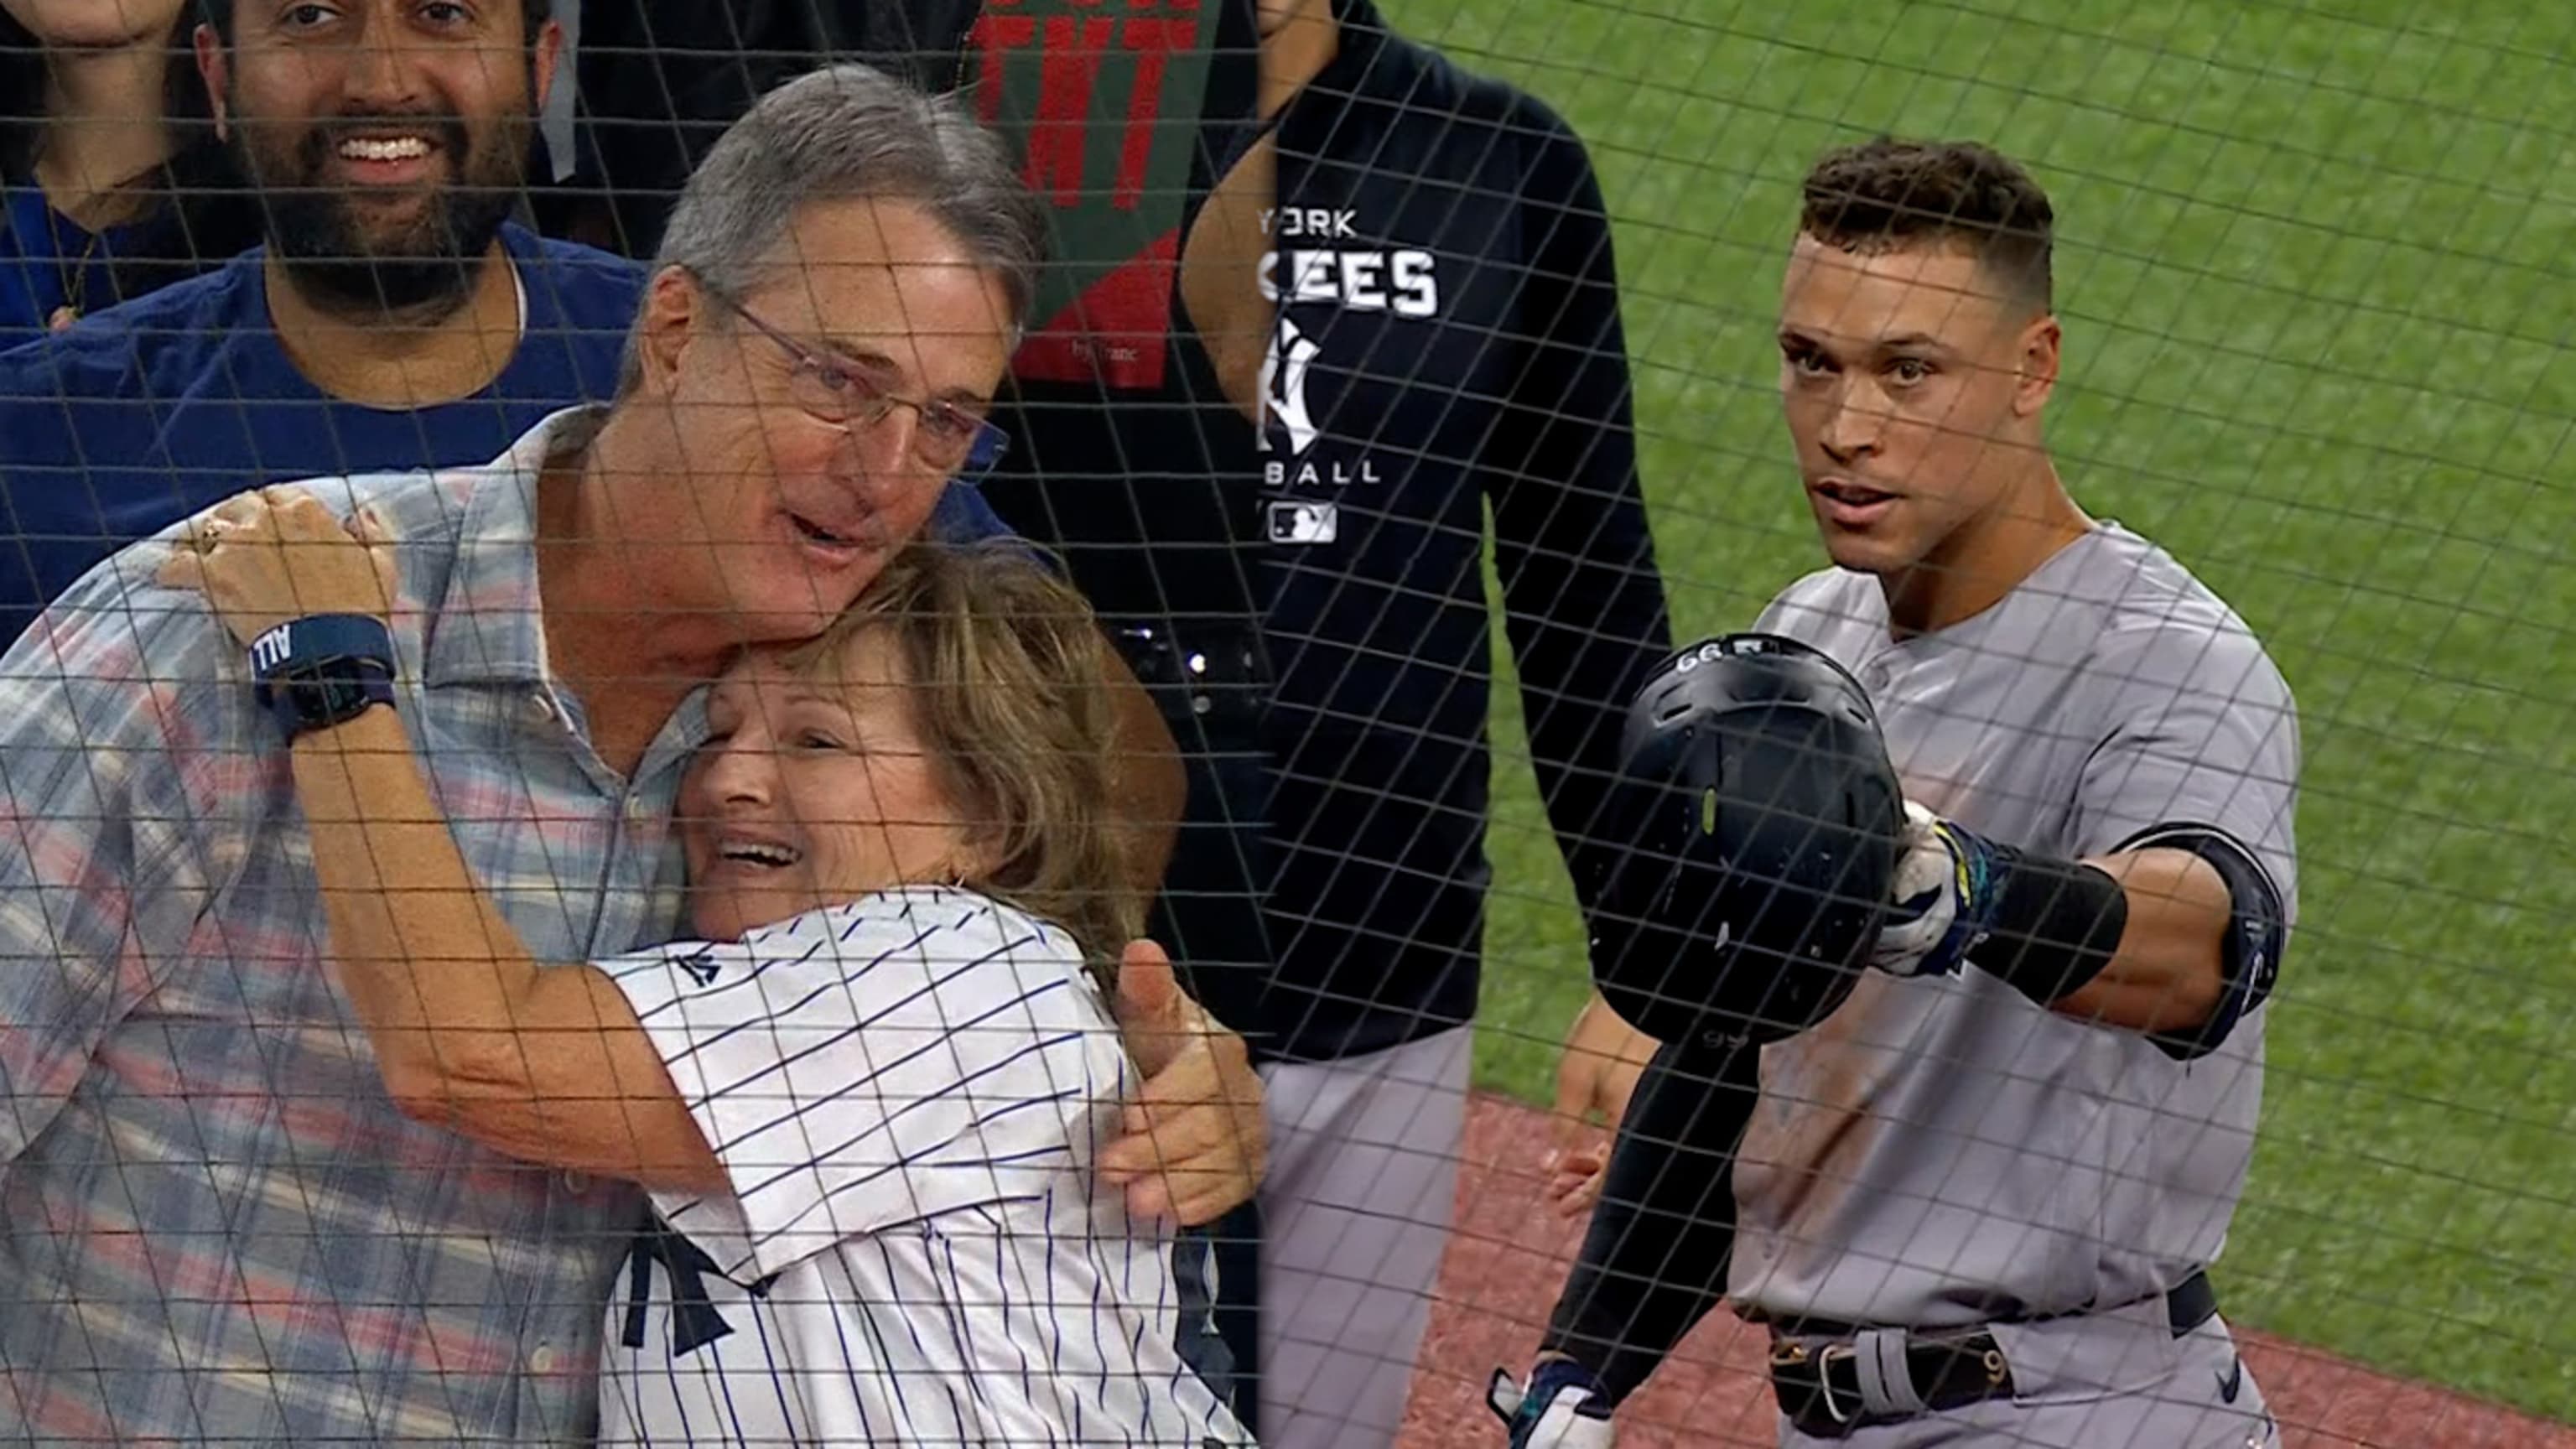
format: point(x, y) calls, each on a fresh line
point(490, 625)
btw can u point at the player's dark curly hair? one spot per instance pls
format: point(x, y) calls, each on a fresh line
point(1889, 192)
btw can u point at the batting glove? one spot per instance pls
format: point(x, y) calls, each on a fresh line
point(1564, 1407)
point(1943, 893)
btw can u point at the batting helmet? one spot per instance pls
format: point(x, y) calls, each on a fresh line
point(1750, 847)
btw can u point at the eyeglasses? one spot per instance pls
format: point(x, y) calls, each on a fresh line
point(950, 439)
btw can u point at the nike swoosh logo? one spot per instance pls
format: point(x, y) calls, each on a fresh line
point(2232, 1382)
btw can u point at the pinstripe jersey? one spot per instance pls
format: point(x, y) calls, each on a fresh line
point(906, 1093)
point(215, 1227)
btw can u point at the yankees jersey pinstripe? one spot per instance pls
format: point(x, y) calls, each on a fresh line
point(906, 1093)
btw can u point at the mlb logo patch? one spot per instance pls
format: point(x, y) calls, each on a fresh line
point(1305, 522)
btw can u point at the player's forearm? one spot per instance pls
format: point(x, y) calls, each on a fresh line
point(2167, 974)
point(1654, 1258)
point(2137, 940)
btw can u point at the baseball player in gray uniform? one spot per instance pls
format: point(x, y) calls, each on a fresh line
point(1975, 1203)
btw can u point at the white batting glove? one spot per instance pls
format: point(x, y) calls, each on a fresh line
point(1931, 886)
point(1563, 1408)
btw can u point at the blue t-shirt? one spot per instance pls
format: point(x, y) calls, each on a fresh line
point(148, 412)
point(46, 259)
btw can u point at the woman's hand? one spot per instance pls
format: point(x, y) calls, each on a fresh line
point(276, 555)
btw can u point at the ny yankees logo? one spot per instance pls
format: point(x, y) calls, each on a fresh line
point(1283, 386)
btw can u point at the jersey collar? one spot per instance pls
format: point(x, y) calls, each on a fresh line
point(489, 627)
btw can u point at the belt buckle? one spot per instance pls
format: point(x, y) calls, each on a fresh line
point(1791, 1354)
point(1825, 1359)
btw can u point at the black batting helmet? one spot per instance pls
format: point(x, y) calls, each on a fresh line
point(1750, 844)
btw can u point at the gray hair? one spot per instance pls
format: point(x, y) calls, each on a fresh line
point(847, 132)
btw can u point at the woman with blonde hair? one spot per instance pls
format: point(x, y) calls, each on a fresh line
point(864, 1095)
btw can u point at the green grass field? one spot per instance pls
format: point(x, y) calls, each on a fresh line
point(2315, 275)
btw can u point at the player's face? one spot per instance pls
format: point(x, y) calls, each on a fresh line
point(95, 24)
point(1908, 382)
point(812, 792)
point(781, 516)
point(386, 136)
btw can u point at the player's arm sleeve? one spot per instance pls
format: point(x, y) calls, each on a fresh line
point(1654, 1258)
point(2202, 754)
point(122, 750)
point(1584, 603)
point(874, 1064)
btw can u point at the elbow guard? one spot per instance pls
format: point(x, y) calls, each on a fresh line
point(2257, 929)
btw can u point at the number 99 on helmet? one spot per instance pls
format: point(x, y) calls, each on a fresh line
point(1747, 850)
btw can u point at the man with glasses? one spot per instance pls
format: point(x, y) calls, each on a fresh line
point(214, 1224)
point(851, 389)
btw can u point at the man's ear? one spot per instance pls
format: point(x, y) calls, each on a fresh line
point(546, 55)
point(672, 305)
point(215, 69)
point(2037, 380)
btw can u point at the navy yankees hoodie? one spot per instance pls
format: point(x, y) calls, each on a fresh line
point(1449, 342)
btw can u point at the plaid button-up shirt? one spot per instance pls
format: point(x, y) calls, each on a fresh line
point(215, 1227)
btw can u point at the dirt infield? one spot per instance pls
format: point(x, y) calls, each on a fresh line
point(1510, 1256)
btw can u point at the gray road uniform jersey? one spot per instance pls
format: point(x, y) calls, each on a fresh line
point(1943, 1152)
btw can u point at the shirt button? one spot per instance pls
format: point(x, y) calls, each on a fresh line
point(543, 1360)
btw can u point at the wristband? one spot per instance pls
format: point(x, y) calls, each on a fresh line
point(323, 670)
point(2045, 927)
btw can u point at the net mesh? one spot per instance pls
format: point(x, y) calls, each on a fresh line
point(1397, 403)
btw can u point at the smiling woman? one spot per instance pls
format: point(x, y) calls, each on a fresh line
point(908, 889)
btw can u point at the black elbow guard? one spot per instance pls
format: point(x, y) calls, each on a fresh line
point(2257, 930)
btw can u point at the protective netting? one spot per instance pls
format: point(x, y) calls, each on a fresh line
point(2278, 224)
point(1398, 385)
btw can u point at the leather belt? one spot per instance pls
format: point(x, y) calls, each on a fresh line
point(1865, 1377)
